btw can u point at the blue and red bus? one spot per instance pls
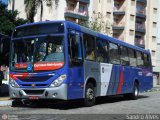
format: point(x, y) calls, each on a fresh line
point(61, 60)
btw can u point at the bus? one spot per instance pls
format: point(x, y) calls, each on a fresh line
point(61, 60)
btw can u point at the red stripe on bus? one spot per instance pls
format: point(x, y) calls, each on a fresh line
point(121, 82)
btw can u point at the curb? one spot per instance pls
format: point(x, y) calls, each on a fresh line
point(6, 103)
point(4, 98)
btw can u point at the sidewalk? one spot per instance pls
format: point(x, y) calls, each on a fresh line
point(5, 102)
point(155, 88)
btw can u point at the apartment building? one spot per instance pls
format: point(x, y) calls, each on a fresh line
point(157, 68)
point(133, 21)
point(73, 10)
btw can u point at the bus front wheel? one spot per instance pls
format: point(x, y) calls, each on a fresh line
point(89, 95)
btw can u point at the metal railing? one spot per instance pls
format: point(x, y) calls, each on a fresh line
point(140, 26)
point(117, 8)
point(119, 24)
point(77, 11)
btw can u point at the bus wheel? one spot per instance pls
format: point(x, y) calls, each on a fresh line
point(89, 95)
point(134, 95)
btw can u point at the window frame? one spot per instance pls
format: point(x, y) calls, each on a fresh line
point(94, 46)
point(135, 57)
point(96, 51)
point(81, 45)
point(127, 55)
point(118, 53)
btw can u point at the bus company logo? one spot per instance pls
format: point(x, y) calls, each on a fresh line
point(33, 85)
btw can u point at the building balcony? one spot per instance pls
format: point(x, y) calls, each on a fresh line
point(85, 1)
point(119, 11)
point(141, 14)
point(140, 28)
point(76, 13)
point(142, 1)
point(117, 8)
point(140, 42)
point(118, 26)
point(140, 45)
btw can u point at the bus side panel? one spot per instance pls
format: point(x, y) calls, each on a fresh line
point(127, 85)
point(130, 75)
point(147, 83)
point(92, 70)
point(114, 81)
point(76, 82)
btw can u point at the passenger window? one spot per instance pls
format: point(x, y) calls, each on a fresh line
point(139, 58)
point(132, 58)
point(147, 63)
point(75, 48)
point(124, 56)
point(114, 53)
point(102, 51)
point(89, 45)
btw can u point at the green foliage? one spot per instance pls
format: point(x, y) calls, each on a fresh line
point(98, 23)
point(8, 20)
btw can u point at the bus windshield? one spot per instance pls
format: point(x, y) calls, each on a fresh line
point(41, 53)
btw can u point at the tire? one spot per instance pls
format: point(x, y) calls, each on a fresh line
point(134, 95)
point(89, 95)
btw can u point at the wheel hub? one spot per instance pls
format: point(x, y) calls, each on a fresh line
point(90, 94)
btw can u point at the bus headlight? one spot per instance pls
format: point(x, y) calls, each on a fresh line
point(13, 83)
point(58, 81)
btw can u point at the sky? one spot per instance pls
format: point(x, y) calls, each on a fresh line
point(5, 1)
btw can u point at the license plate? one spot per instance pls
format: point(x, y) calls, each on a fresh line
point(33, 97)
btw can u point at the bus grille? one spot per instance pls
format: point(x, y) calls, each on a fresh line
point(34, 92)
point(34, 78)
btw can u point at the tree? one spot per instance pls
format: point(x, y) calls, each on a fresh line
point(31, 7)
point(9, 19)
point(98, 23)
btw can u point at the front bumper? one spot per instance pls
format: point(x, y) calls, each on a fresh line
point(42, 93)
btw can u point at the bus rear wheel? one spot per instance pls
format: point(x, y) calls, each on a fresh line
point(134, 95)
point(89, 95)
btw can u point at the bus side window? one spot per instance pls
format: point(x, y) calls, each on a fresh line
point(114, 53)
point(124, 56)
point(102, 51)
point(89, 44)
point(74, 48)
point(147, 61)
point(132, 57)
point(139, 59)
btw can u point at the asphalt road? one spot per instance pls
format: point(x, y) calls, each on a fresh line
point(147, 104)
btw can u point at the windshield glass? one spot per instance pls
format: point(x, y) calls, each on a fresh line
point(34, 54)
point(39, 29)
